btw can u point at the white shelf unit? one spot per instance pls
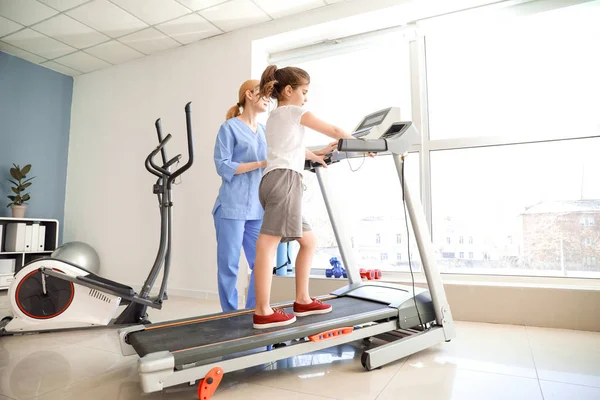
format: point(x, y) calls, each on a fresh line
point(24, 257)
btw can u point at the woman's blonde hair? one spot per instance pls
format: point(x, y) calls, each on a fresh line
point(234, 111)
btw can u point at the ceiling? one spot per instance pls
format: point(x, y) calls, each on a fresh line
point(75, 37)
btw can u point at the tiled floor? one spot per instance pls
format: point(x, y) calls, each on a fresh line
point(484, 362)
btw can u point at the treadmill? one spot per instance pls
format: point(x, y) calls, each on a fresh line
point(408, 318)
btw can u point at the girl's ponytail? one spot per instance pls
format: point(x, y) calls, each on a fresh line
point(268, 83)
point(273, 81)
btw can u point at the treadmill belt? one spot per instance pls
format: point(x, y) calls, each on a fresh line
point(217, 337)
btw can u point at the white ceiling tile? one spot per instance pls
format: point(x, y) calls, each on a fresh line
point(333, 1)
point(278, 8)
point(200, 4)
point(189, 29)
point(25, 12)
point(7, 26)
point(107, 18)
point(114, 52)
point(149, 41)
point(82, 62)
point(60, 68)
point(69, 31)
point(235, 14)
point(36, 43)
point(62, 5)
point(153, 11)
point(25, 55)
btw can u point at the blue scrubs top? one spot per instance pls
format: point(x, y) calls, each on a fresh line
point(236, 143)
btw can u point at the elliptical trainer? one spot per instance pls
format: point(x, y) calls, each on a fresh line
point(49, 294)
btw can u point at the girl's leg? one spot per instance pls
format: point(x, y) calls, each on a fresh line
point(308, 245)
point(266, 246)
point(304, 304)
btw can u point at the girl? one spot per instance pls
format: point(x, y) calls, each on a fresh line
point(239, 155)
point(280, 191)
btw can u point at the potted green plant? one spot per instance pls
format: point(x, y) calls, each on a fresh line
point(18, 201)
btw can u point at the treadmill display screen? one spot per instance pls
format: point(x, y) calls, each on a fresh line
point(373, 119)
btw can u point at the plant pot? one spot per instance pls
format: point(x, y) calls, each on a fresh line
point(18, 211)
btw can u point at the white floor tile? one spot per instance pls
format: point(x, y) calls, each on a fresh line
point(449, 383)
point(565, 391)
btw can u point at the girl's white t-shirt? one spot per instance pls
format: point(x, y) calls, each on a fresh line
point(285, 139)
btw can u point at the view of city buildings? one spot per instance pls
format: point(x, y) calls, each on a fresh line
point(551, 238)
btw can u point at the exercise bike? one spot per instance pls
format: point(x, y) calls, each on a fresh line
point(50, 294)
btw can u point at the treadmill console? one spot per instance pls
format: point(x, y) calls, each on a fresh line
point(374, 125)
point(381, 132)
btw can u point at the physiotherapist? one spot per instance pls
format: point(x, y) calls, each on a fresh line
point(240, 157)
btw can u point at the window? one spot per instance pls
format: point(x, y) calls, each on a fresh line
point(529, 214)
point(337, 77)
point(510, 167)
point(488, 78)
point(524, 213)
point(586, 220)
point(366, 192)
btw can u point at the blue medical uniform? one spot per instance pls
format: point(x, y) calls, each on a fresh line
point(237, 212)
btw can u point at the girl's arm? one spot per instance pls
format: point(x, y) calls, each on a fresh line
point(311, 121)
point(309, 155)
point(327, 149)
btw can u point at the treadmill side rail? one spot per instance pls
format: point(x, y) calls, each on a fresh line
point(396, 350)
point(191, 374)
point(155, 369)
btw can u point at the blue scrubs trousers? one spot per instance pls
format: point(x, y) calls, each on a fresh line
point(232, 234)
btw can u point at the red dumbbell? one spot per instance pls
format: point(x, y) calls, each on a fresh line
point(367, 274)
point(370, 274)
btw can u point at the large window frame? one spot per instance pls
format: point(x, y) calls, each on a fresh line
point(416, 34)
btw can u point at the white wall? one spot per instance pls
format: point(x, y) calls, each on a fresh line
point(109, 200)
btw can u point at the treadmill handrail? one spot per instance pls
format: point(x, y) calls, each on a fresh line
point(363, 145)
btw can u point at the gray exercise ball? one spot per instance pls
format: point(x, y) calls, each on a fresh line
point(79, 253)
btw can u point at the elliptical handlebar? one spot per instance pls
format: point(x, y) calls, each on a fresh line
point(164, 170)
point(159, 171)
point(190, 142)
point(158, 125)
point(172, 161)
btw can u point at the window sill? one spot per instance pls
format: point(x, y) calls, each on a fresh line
point(533, 282)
